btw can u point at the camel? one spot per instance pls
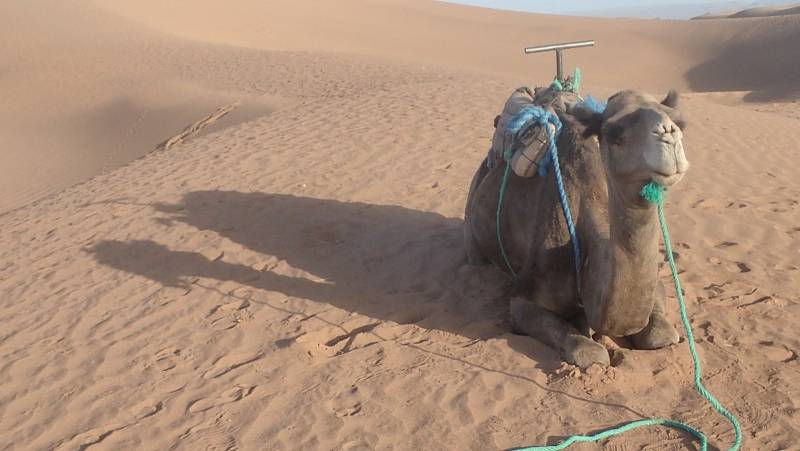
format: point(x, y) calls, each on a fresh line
point(606, 158)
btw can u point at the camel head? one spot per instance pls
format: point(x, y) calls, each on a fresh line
point(640, 138)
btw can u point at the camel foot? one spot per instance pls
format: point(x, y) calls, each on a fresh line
point(529, 319)
point(657, 334)
point(583, 351)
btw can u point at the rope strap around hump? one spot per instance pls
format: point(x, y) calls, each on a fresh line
point(544, 118)
point(655, 194)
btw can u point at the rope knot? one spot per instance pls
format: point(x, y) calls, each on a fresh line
point(653, 193)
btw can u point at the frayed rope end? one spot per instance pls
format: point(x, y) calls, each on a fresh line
point(653, 193)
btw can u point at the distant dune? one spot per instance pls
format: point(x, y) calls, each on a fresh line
point(761, 11)
point(671, 11)
point(143, 85)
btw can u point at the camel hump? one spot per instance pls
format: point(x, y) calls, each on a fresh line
point(526, 147)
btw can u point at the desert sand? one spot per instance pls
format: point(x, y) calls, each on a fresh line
point(288, 271)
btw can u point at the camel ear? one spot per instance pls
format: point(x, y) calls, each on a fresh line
point(587, 116)
point(671, 100)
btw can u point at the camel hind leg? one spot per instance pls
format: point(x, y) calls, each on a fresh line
point(475, 256)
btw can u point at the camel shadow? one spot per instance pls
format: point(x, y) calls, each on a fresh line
point(385, 262)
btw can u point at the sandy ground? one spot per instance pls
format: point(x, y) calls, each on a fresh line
point(293, 277)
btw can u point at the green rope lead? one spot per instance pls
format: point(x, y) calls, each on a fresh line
point(503, 186)
point(621, 430)
point(654, 193)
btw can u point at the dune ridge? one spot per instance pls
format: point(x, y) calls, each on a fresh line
point(293, 277)
point(761, 11)
point(169, 83)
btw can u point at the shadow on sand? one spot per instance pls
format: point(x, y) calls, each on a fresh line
point(382, 261)
point(767, 67)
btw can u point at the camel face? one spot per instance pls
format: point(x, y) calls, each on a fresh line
point(642, 140)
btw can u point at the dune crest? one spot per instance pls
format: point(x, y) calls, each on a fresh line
point(761, 11)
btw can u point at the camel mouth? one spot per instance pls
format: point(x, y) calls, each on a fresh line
point(667, 180)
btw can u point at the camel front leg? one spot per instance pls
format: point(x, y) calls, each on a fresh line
point(659, 332)
point(529, 319)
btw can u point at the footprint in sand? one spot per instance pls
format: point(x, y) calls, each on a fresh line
point(332, 342)
point(229, 363)
point(128, 418)
point(776, 352)
point(716, 290)
point(736, 205)
point(782, 206)
point(165, 358)
point(675, 254)
point(234, 394)
point(346, 403)
point(215, 433)
point(740, 267)
point(735, 267)
point(229, 315)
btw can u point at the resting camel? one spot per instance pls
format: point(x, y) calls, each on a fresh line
point(606, 158)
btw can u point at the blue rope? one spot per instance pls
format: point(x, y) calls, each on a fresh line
point(528, 116)
point(593, 104)
point(562, 194)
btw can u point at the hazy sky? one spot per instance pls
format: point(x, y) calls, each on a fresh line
point(640, 8)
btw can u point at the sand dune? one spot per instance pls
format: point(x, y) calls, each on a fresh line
point(292, 276)
point(121, 99)
point(88, 94)
point(761, 11)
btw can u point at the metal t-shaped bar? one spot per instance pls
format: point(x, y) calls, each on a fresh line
point(559, 48)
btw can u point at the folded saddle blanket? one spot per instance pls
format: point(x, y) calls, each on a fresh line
point(526, 147)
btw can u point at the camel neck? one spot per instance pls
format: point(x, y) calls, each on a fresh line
point(633, 223)
point(624, 296)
